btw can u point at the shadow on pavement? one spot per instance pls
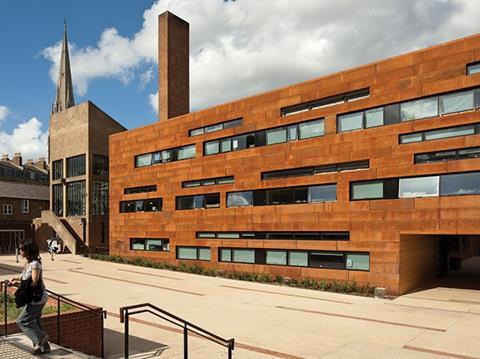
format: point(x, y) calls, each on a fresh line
point(139, 348)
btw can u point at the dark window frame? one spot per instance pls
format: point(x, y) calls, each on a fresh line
point(172, 156)
point(201, 182)
point(321, 235)
point(140, 189)
point(476, 131)
point(204, 201)
point(164, 240)
point(57, 170)
point(225, 125)
point(456, 151)
point(76, 166)
point(197, 256)
point(123, 204)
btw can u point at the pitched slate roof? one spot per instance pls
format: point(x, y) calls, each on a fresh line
point(24, 190)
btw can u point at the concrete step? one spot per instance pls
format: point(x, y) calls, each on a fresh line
point(18, 346)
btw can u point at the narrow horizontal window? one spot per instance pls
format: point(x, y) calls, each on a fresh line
point(473, 68)
point(141, 205)
point(208, 182)
point(302, 130)
point(450, 155)
point(215, 127)
point(193, 253)
point(142, 189)
point(331, 260)
point(417, 109)
point(150, 244)
point(235, 199)
point(323, 102)
point(304, 236)
point(419, 187)
point(164, 156)
point(440, 133)
point(460, 184)
point(310, 171)
point(358, 261)
point(210, 200)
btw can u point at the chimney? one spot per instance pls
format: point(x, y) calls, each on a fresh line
point(173, 66)
point(17, 159)
point(30, 162)
point(41, 163)
point(5, 157)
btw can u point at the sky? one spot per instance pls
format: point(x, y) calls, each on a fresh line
point(237, 48)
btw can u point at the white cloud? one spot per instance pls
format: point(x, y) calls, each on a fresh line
point(146, 77)
point(241, 48)
point(153, 101)
point(4, 112)
point(27, 138)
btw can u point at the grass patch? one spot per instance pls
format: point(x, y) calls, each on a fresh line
point(13, 311)
point(308, 283)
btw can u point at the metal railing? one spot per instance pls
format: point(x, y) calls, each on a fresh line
point(59, 299)
point(125, 313)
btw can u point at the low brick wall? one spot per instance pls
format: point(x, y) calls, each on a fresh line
point(79, 330)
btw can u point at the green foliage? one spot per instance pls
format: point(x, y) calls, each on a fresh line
point(307, 283)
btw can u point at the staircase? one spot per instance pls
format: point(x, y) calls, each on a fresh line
point(63, 229)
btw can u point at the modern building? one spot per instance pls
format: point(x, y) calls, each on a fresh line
point(78, 158)
point(23, 195)
point(371, 174)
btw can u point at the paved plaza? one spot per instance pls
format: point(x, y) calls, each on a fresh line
point(267, 321)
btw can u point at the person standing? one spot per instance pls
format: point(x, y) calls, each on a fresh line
point(29, 320)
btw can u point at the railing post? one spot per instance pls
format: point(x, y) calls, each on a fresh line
point(185, 342)
point(126, 333)
point(58, 320)
point(5, 298)
point(104, 316)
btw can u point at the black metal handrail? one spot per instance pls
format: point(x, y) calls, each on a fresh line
point(125, 313)
point(60, 298)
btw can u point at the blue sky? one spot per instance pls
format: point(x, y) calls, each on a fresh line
point(237, 49)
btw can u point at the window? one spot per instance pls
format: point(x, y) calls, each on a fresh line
point(473, 68)
point(150, 244)
point(211, 200)
point(416, 109)
point(457, 102)
point(193, 253)
point(143, 189)
point(367, 190)
point(460, 154)
point(276, 136)
point(326, 236)
point(358, 261)
point(298, 259)
point(57, 200)
point(164, 156)
point(311, 129)
point(7, 209)
point(141, 205)
point(76, 198)
point(419, 187)
point(276, 257)
point(76, 166)
point(243, 256)
point(460, 184)
point(304, 130)
point(100, 165)
point(374, 117)
point(310, 171)
point(331, 260)
point(279, 196)
point(25, 206)
point(225, 255)
point(57, 169)
point(239, 199)
point(350, 122)
point(323, 102)
point(323, 193)
point(215, 127)
point(440, 133)
point(208, 182)
point(99, 197)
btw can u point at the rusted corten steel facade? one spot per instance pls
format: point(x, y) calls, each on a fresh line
point(398, 234)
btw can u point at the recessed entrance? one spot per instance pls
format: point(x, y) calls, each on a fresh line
point(428, 261)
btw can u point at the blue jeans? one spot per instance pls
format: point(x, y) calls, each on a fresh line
point(29, 322)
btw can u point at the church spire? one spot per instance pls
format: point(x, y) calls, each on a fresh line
point(64, 97)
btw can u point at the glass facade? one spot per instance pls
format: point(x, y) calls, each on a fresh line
point(100, 165)
point(76, 198)
point(57, 169)
point(99, 197)
point(57, 200)
point(76, 166)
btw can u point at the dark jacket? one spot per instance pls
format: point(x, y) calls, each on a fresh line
point(25, 293)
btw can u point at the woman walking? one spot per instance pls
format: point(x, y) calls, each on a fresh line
point(29, 319)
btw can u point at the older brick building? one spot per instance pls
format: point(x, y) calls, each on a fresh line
point(370, 174)
point(23, 195)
